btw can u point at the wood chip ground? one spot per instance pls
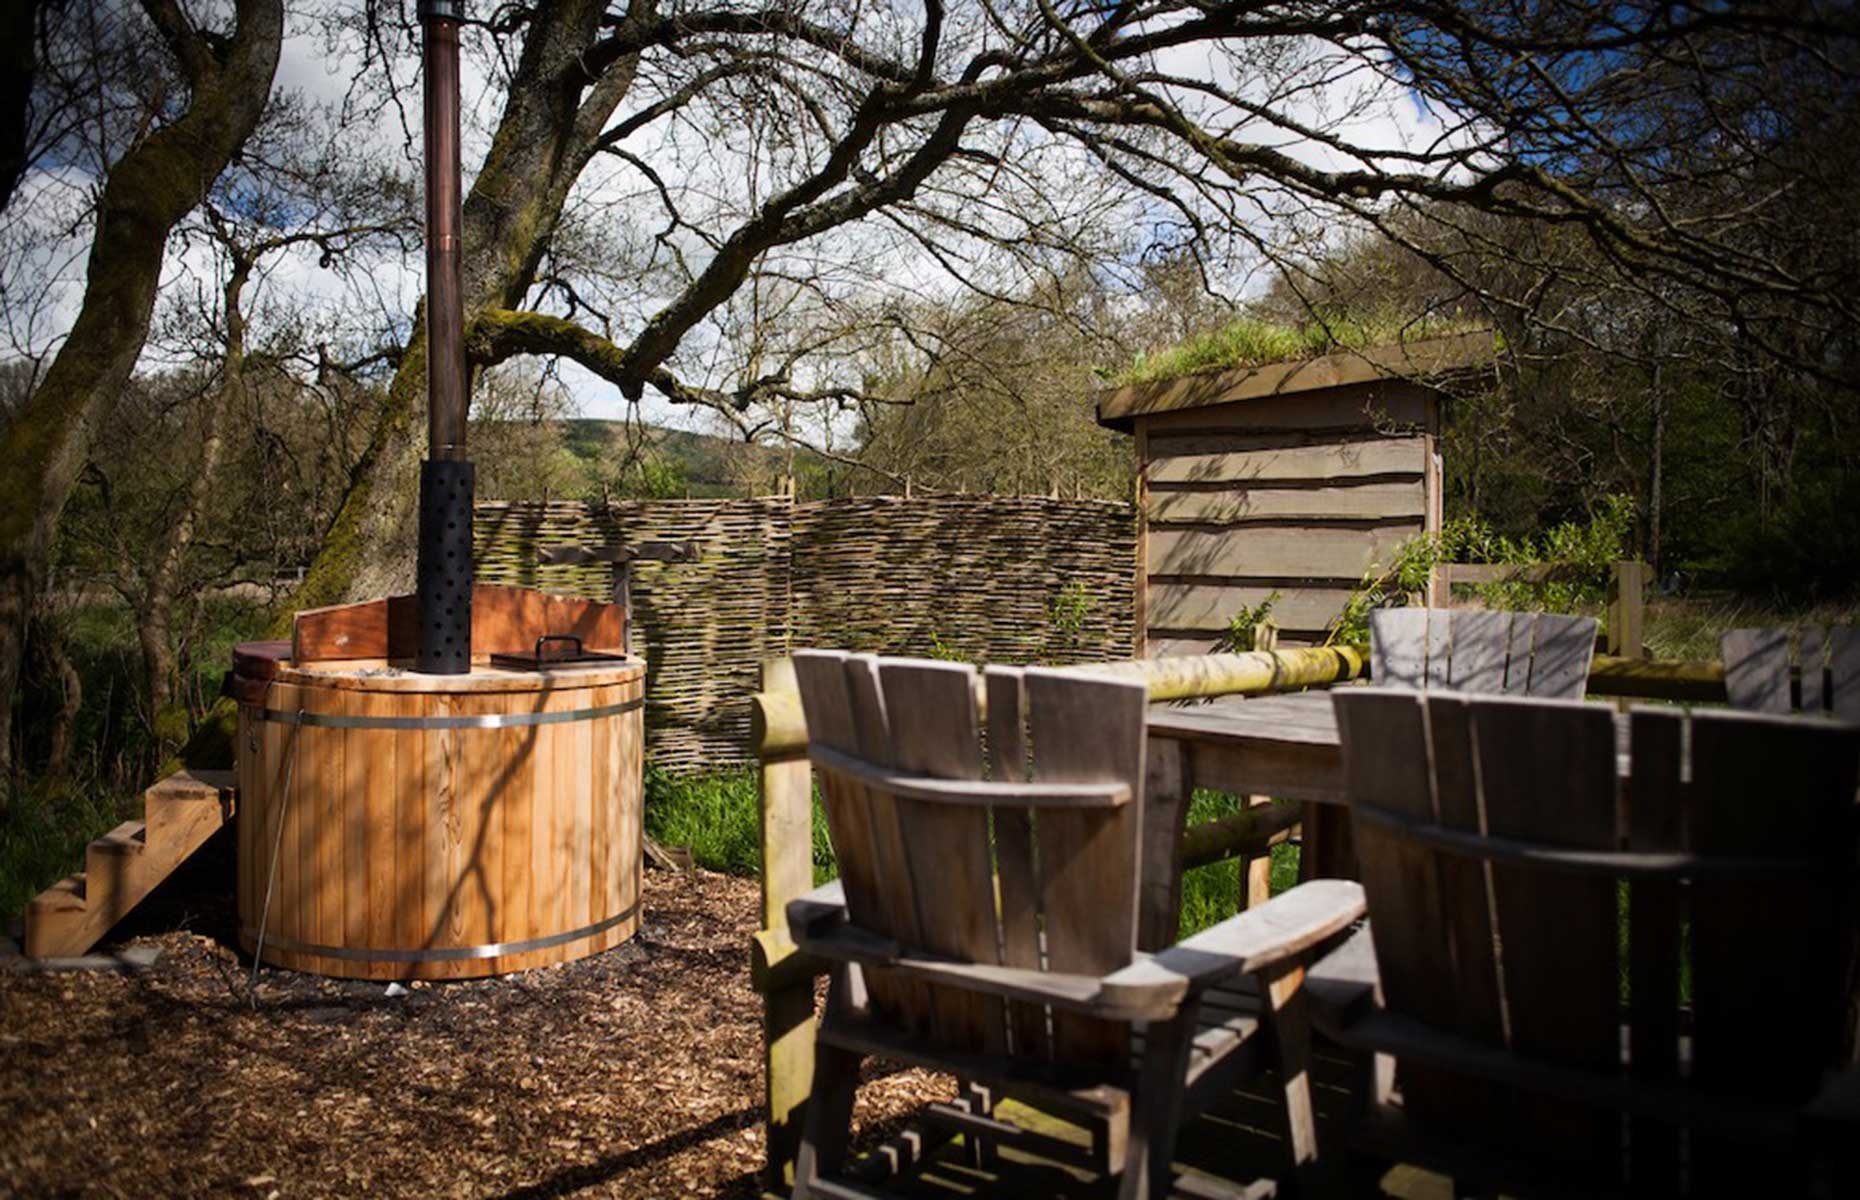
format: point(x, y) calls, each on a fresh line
point(635, 1073)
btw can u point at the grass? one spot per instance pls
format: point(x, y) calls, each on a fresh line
point(1690, 629)
point(716, 817)
point(1250, 342)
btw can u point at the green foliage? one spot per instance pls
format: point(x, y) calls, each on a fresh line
point(1070, 608)
point(1585, 550)
point(1211, 894)
point(718, 816)
point(45, 824)
point(1243, 627)
point(1807, 551)
point(1250, 342)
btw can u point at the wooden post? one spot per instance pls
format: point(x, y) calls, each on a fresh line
point(779, 971)
point(1256, 870)
point(1627, 599)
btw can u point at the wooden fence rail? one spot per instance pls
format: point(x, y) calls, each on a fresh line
point(785, 977)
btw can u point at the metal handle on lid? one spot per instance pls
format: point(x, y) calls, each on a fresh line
point(556, 637)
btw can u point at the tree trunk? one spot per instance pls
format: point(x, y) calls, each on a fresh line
point(1656, 474)
point(154, 621)
point(148, 191)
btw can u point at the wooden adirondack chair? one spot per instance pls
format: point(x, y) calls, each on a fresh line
point(1473, 650)
point(985, 927)
point(1539, 1048)
point(1757, 670)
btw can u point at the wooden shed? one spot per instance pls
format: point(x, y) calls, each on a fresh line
point(1290, 477)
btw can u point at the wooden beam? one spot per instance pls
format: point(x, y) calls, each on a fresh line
point(1318, 464)
point(1277, 552)
point(1404, 498)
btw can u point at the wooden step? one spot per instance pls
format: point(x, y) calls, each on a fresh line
point(179, 814)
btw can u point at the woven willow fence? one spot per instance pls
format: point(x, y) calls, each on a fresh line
point(1008, 579)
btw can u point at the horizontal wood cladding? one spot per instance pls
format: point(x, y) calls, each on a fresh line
point(1378, 500)
point(1385, 406)
point(1185, 609)
point(1276, 551)
point(1389, 456)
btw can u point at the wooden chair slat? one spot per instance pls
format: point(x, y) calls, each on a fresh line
point(1557, 930)
point(1756, 669)
point(1763, 786)
point(1480, 637)
point(1560, 656)
point(1087, 730)
point(1381, 730)
point(1844, 672)
point(891, 863)
point(825, 699)
point(1014, 854)
point(935, 730)
point(1398, 647)
point(1439, 627)
point(1654, 824)
point(1813, 658)
point(1518, 653)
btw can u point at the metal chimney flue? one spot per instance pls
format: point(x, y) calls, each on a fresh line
point(447, 479)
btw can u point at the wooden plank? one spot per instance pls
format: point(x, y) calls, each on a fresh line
point(1398, 647)
point(1015, 863)
point(1166, 788)
point(1384, 740)
point(1276, 552)
point(1384, 407)
point(504, 620)
point(1774, 948)
point(1844, 672)
point(382, 748)
point(935, 731)
point(1177, 609)
point(823, 680)
point(413, 806)
point(1813, 657)
point(1088, 730)
point(1481, 640)
point(515, 816)
point(1653, 825)
point(1404, 498)
point(1518, 654)
point(1386, 456)
point(1756, 669)
point(1561, 655)
point(1558, 930)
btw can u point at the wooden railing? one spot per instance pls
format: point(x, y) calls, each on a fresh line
point(785, 976)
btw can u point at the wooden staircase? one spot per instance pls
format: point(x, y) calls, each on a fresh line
point(178, 815)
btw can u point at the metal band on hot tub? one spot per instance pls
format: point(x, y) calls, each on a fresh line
point(483, 721)
point(275, 941)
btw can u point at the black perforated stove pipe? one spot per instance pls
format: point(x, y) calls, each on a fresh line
point(446, 477)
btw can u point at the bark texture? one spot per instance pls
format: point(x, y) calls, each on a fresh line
point(148, 191)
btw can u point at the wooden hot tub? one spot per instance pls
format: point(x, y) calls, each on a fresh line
point(409, 826)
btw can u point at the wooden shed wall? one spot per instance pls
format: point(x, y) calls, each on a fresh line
point(1296, 494)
